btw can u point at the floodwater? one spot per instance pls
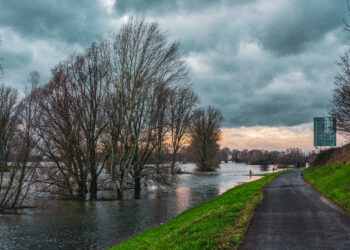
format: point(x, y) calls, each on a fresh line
point(94, 225)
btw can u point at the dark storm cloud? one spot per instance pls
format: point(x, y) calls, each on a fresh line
point(299, 24)
point(260, 62)
point(70, 21)
point(161, 7)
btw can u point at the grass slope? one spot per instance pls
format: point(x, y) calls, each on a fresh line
point(333, 181)
point(217, 223)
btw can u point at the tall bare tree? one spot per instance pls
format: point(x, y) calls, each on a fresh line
point(340, 105)
point(88, 103)
point(153, 142)
point(17, 142)
point(8, 124)
point(161, 123)
point(205, 133)
point(143, 63)
point(59, 129)
point(73, 120)
point(26, 141)
point(182, 102)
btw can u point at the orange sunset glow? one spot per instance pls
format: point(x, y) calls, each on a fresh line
point(271, 138)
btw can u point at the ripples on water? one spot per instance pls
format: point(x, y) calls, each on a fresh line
point(81, 225)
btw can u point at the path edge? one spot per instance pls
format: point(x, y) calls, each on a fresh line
point(320, 193)
point(254, 213)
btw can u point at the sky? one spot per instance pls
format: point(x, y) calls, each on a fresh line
point(268, 66)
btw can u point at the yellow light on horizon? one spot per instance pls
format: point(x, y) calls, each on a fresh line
point(271, 138)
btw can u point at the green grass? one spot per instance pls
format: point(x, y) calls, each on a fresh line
point(333, 181)
point(217, 223)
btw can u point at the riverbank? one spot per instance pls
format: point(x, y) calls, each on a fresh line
point(217, 223)
point(332, 180)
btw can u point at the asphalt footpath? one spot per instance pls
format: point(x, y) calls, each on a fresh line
point(293, 215)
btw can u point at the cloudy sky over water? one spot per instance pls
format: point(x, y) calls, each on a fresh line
point(267, 65)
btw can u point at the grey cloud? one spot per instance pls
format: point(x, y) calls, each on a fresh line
point(299, 25)
point(65, 20)
point(250, 94)
point(260, 65)
point(161, 6)
point(15, 60)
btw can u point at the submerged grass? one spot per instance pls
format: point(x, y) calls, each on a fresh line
point(333, 181)
point(217, 223)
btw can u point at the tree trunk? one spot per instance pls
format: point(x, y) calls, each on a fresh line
point(119, 194)
point(19, 187)
point(173, 163)
point(137, 182)
point(93, 187)
point(81, 192)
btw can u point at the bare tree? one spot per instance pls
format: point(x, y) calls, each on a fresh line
point(225, 154)
point(292, 156)
point(346, 23)
point(340, 109)
point(17, 142)
point(205, 133)
point(88, 104)
point(26, 141)
point(182, 102)
point(161, 123)
point(8, 125)
point(59, 129)
point(72, 122)
point(142, 65)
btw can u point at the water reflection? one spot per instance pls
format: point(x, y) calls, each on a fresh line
point(183, 198)
point(75, 225)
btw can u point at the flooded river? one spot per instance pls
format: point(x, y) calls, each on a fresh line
point(81, 225)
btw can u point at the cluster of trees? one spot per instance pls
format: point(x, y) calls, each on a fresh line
point(123, 103)
point(340, 104)
point(264, 157)
point(205, 133)
point(16, 145)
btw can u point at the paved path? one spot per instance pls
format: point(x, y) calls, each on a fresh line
point(292, 215)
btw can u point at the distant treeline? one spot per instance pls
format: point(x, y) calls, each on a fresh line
point(290, 156)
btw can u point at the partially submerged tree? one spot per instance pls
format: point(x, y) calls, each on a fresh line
point(17, 142)
point(60, 132)
point(143, 64)
point(9, 122)
point(205, 134)
point(88, 105)
point(26, 141)
point(225, 154)
point(110, 108)
point(182, 102)
point(72, 121)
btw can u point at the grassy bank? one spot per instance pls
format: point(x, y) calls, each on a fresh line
point(217, 223)
point(333, 181)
